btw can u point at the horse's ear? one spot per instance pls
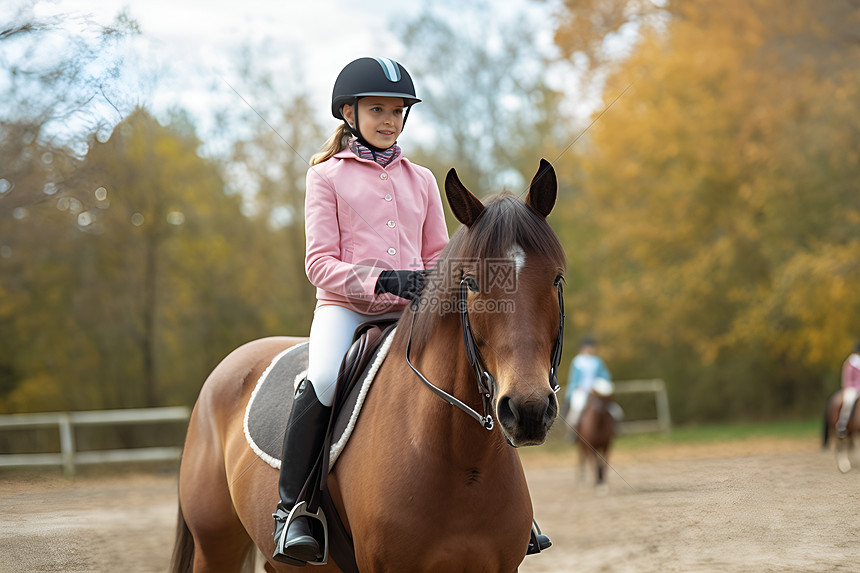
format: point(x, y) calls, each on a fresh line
point(465, 206)
point(543, 189)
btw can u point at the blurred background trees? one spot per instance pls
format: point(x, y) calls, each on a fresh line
point(485, 93)
point(710, 215)
point(724, 194)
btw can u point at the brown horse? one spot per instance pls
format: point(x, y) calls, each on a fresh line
point(595, 432)
point(420, 486)
point(844, 446)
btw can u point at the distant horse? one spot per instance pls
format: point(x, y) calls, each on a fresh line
point(595, 432)
point(844, 446)
point(420, 486)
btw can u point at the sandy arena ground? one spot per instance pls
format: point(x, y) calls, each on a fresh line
point(758, 506)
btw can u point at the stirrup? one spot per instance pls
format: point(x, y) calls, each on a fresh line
point(300, 510)
point(538, 541)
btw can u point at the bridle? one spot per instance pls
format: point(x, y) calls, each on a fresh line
point(486, 381)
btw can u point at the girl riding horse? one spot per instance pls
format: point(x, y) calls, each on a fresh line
point(421, 486)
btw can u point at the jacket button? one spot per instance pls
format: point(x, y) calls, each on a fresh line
point(388, 197)
point(392, 251)
point(383, 176)
point(391, 224)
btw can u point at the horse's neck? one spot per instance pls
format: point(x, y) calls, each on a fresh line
point(434, 423)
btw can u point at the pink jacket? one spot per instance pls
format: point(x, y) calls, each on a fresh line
point(362, 218)
point(851, 372)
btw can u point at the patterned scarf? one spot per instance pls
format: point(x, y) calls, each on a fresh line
point(383, 158)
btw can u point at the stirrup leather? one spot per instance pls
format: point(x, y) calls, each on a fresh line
point(300, 510)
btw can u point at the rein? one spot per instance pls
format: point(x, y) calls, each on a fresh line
point(486, 388)
point(486, 381)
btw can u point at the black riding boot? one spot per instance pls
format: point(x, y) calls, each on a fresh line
point(302, 443)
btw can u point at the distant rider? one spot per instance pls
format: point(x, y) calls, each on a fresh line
point(850, 389)
point(585, 370)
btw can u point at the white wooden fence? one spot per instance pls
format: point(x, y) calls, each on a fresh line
point(67, 421)
point(663, 422)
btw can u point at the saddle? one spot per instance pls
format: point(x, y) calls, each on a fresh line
point(367, 338)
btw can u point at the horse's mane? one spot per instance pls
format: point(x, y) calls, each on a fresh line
point(505, 221)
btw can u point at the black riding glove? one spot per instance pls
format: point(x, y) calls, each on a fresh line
point(405, 284)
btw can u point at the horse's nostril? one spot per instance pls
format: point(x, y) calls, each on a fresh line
point(508, 413)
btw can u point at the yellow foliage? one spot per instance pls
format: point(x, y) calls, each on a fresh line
point(722, 189)
point(37, 393)
point(813, 312)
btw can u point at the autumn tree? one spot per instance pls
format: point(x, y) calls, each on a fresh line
point(56, 83)
point(487, 102)
point(273, 131)
point(132, 297)
point(721, 190)
point(60, 86)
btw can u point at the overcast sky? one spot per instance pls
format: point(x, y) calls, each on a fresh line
point(192, 45)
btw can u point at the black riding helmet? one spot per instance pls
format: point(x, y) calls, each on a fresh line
point(371, 77)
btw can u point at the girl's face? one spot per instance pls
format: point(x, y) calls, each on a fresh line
point(380, 119)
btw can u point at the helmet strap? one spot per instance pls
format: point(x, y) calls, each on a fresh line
point(353, 130)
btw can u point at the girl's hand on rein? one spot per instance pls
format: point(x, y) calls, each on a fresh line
point(405, 284)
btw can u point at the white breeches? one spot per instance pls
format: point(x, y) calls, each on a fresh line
point(577, 404)
point(331, 336)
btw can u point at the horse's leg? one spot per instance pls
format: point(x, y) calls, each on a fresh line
point(602, 452)
point(220, 541)
point(183, 550)
point(255, 495)
point(834, 408)
point(581, 474)
point(825, 432)
point(600, 457)
point(842, 461)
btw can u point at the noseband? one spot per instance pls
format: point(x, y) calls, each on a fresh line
point(486, 381)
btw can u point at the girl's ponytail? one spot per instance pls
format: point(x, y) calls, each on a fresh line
point(338, 141)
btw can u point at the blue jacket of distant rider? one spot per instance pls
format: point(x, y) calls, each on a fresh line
point(584, 370)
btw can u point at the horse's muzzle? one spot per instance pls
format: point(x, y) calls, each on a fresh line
point(526, 422)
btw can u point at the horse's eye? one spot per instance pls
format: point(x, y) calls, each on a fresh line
point(471, 283)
